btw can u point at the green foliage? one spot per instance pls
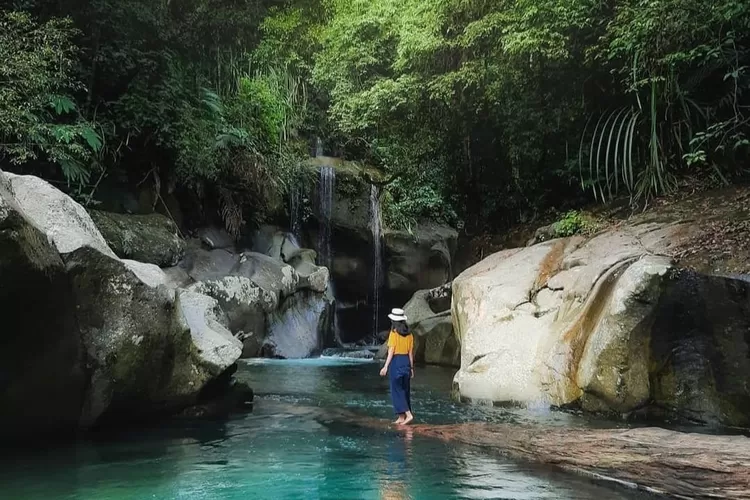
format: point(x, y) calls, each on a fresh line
point(686, 77)
point(486, 111)
point(38, 117)
point(573, 222)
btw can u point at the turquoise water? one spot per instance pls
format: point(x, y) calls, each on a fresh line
point(277, 452)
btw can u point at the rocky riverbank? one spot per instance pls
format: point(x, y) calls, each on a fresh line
point(639, 317)
point(90, 338)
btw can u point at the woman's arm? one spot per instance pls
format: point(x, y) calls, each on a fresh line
point(387, 362)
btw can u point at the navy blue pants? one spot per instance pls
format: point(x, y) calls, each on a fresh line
point(400, 378)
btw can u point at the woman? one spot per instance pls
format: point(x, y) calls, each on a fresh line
point(400, 361)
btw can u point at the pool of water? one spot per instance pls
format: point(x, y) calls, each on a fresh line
point(275, 452)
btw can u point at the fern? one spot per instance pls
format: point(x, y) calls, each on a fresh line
point(231, 213)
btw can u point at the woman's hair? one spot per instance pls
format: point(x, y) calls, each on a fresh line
point(400, 327)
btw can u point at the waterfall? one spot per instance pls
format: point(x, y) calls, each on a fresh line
point(377, 256)
point(318, 147)
point(295, 217)
point(325, 201)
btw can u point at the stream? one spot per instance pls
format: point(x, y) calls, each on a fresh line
point(274, 452)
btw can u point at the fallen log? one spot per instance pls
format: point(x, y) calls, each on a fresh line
point(668, 463)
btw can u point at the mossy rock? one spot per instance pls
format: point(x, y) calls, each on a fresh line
point(151, 238)
point(42, 361)
point(141, 354)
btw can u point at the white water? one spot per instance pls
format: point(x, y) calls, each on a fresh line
point(325, 200)
point(377, 256)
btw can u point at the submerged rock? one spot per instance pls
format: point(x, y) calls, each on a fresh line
point(151, 238)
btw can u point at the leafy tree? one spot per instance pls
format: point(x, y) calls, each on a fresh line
point(38, 116)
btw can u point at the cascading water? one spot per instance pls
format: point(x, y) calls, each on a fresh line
point(294, 213)
point(377, 257)
point(318, 147)
point(325, 201)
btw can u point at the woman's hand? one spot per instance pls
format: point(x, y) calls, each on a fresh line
point(412, 373)
point(384, 371)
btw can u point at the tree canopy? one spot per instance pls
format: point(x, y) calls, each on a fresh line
point(485, 111)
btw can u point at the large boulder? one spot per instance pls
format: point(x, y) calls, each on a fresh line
point(700, 349)
point(151, 238)
point(201, 264)
point(246, 306)
point(43, 376)
point(99, 338)
point(56, 214)
point(140, 353)
point(420, 259)
point(299, 327)
point(432, 326)
point(592, 322)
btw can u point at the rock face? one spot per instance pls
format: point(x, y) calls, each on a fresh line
point(278, 302)
point(420, 260)
point(43, 377)
point(593, 322)
point(151, 238)
point(699, 349)
point(430, 320)
point(299, 327)
point(92, 339)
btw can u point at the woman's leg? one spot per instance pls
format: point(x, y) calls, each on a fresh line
point(398, 396)
point(407, 391)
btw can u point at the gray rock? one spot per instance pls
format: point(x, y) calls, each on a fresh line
point(202, 265)
point(297, 329)
point(217, 348)
point(151, 238)
point(56, 214)
point(102, 338)
point(42, 363)
point(246, 306)
point(142, 358)
point(269, 273)
point(435, 342)
point(420, 260)
point(215, 238)
point(700, 350)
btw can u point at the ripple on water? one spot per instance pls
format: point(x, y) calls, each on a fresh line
point(280, 451)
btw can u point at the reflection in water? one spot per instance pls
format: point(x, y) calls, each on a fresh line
point(285, 451)
point(393, 484)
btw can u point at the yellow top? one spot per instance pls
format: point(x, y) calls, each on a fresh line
point(400, 344)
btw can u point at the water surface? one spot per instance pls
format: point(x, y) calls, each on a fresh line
point(277, 453)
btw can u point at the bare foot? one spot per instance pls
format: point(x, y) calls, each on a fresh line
point(399, 420)
point(408, 419)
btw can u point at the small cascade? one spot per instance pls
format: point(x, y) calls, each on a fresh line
point(377, 257)
point(295, 217)
point(318, 147)
point(325, 201)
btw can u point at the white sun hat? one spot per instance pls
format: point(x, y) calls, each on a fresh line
point(397, 315)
